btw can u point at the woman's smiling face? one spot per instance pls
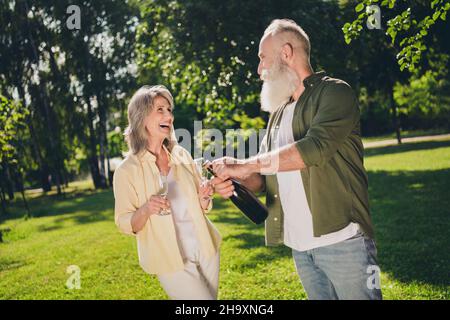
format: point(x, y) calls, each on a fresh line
point(159, 121)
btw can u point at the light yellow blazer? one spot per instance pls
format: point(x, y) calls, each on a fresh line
point(136, 179)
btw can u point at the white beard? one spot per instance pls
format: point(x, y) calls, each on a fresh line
point(280, 82)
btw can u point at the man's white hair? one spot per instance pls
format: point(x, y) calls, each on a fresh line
point(290, 32)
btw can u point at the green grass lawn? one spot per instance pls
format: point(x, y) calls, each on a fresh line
point(410, 201)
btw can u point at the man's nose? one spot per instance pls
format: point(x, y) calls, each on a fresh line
point(259, 69)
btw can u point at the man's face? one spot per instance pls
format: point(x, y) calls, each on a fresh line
point(280, 81)
point(266, 54)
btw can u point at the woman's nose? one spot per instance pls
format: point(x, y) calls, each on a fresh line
point(168, 116)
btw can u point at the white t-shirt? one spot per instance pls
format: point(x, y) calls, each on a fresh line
point(298, 226)
point(184, 227)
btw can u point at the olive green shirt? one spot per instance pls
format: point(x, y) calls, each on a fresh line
point(326, 129)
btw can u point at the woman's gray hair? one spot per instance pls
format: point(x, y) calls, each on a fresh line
point(139, 108)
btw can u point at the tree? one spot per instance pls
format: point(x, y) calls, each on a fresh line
point(425, 99)
point(405, 29)
point(69, 80)
point(207, 53)
point(408, 25)
point(12, 121)
point(98, 58)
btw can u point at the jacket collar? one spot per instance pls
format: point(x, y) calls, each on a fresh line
point(313, 79)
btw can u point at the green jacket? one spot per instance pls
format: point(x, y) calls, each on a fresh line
point(326, 129)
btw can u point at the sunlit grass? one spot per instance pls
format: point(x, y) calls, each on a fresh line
point(409, 190)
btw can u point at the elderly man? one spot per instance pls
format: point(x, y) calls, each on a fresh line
point(311, 168)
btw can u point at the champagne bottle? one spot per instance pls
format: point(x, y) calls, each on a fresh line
point(247, 202)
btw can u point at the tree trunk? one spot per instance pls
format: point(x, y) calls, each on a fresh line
point(8, 180)
point(98, 179)
point(47, 112)
point(102, 114)
point(103, 139)
point(97, 176)
point(3, 200)
point(64, 80)
point(35, 147)
point(395, 117)
point(66, 179)
point(22, 191)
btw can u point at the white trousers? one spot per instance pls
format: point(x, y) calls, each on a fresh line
point(198, 281)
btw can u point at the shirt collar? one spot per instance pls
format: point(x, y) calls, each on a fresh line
point(313, 79)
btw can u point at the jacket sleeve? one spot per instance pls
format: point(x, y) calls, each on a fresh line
point(126, 201)
point(337, 114)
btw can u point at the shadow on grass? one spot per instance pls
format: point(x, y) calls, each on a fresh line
point(412, 223)
point(8, 264)
point(262, 259)
point(428, 145)
point(230, 217)
point(246, 240)
point(78, 206)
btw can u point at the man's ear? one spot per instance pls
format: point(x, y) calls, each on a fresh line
point(287, 52)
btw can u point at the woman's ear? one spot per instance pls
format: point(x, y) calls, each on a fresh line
point(147, 131)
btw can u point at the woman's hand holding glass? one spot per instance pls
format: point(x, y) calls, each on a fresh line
point(156, 204)
point(164, 184)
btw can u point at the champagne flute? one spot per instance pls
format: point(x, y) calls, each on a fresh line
point(203, 173)
point(163, 192)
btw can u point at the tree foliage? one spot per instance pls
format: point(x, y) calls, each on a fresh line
point(72, 82)
point(407, 28)
point(71, 87)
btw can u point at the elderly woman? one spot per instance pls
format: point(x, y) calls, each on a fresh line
point(175, 239)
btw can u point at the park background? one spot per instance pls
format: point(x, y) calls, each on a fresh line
point(64, 91)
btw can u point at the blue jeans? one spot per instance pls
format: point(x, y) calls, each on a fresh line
point(346, 270)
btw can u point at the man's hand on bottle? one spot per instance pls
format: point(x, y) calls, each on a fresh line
point(224, 187)
point(224, 169)
point(228, 167)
